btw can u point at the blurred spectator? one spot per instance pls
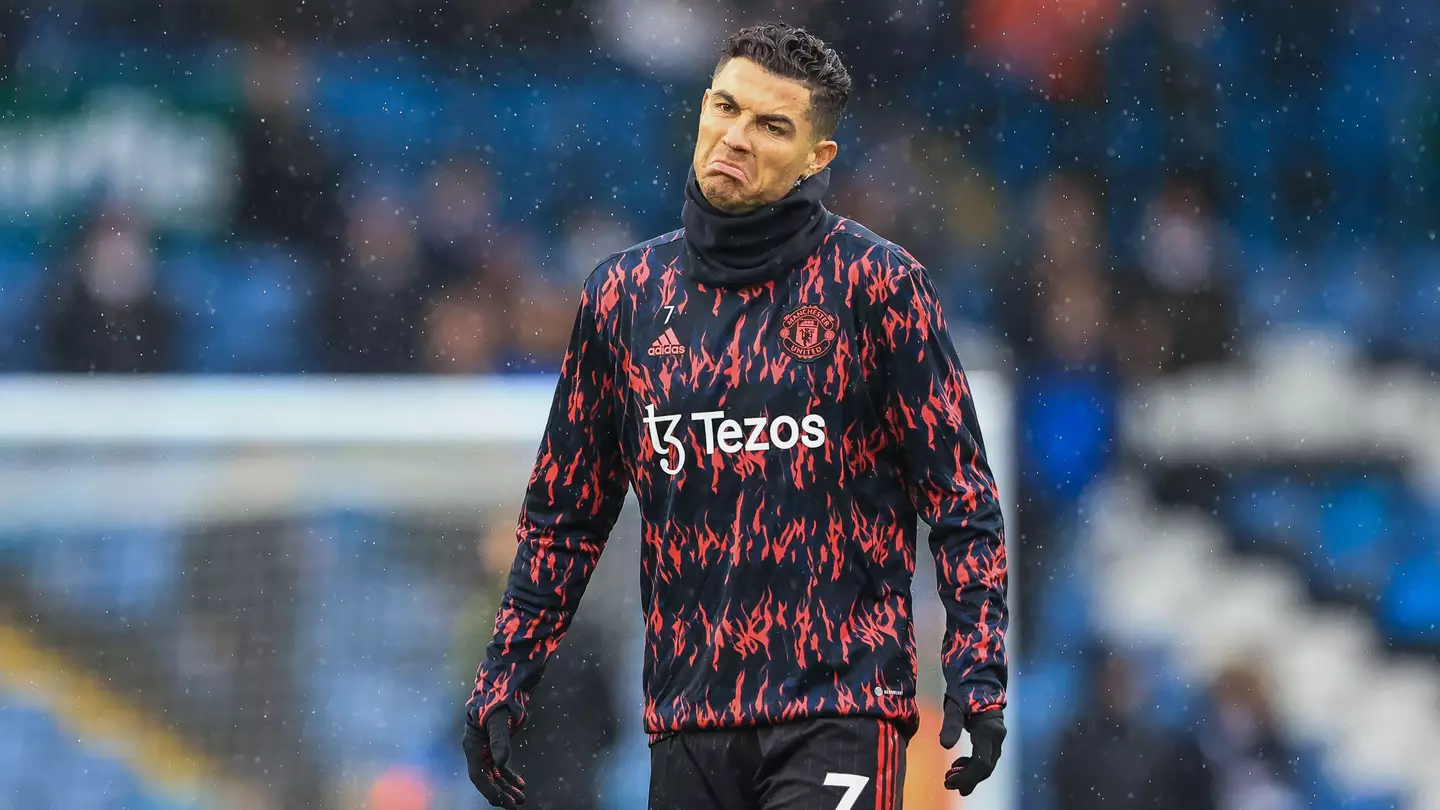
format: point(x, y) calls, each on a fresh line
point(375, 309)
point(1061, 331)
point(463, 333)
point(289, 182)
point(1060, 234)
point(1072, 313)
point(1067, 406)
point(399, 788)
point(511, 317)
point(1252, 766)
point(898, 187)
point(1180, 239)
point(562, 751)
point(1144, 329)
point(105, 315)
point(542, 321)
point(1068, 212)
point(459, 226)
point(591, 234)
point(1189, 81)
point(1055, 44)
point(973, 210)
point(1426, 178)
point(1058, 319)
point(670, 37)
point(12, 36)
point(1112, 759)
point(1183, 247)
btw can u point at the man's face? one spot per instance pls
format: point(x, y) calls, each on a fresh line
point(755, 138)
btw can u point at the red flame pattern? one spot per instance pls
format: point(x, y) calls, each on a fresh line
point(775, 582)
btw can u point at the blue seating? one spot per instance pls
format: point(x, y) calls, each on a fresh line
point(1367, 536)
point(118, 575)
point(1410, 606)
point(243, 310)
point(22, 285)
point(1275, 509)
point(1417, 311)
point(1051, 685)
point(1282, 290)
point(1356, 132)
point(548, 128)
point(43, 765)
point(552, 137)
point(1021, 135)
point(1357, 533)
point(1355, 289)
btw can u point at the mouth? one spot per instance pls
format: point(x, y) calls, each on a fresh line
point(728, 169)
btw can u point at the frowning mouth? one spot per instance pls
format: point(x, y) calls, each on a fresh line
point(729, 169)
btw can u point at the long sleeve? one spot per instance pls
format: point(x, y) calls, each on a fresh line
point(930, 411)
point(573, 499)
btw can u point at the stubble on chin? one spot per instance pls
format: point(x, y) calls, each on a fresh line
point(721, 193)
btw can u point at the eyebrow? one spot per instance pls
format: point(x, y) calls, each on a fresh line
point(775, 118)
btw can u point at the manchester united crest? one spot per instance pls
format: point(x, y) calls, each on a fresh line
point(808, 332)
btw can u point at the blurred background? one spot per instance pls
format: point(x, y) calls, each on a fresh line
point(317, 260)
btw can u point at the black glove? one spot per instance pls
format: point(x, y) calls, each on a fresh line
point(486, 752)
point(987, 732)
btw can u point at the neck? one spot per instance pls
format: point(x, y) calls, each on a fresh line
point(756, 244)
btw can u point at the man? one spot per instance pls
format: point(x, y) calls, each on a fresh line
point(778, 386)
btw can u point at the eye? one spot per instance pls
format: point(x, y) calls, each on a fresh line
point(724, 106)
point(775, 129)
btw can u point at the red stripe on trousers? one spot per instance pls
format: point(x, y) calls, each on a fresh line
point(886, 796)
point(880, 766)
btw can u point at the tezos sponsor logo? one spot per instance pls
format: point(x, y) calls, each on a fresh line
point(752, 434)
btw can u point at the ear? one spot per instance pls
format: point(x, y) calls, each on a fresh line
point(821, 155)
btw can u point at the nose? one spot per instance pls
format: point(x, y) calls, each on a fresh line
point(737, 138)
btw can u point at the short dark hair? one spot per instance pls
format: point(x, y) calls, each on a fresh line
point(794, 53)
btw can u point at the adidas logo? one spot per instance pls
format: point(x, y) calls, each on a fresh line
point(667, 343)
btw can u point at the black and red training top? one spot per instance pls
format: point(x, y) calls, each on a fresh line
point(782, 439)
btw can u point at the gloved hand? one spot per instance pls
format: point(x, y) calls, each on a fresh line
point(987, 732)
point(486, 752)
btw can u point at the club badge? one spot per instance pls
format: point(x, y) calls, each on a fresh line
point(808, 332)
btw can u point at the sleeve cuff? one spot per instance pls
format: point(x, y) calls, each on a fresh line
point(480, 707)
point(977, 699)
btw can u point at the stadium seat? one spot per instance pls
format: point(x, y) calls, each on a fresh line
point(1134, 129)
point(1417, 312)
point(1356, 132)
point(1284, 292)
point(1247, 157)
point(1410, 606)
point(114, 576)
point(21, 292)
point(1022, 135)
point(1356, 286)
point(15, 746)
point(245, 310)
point(1053, 684)
point(90, 782)
point(43, 765)
point(1275, 510)
point(1357, 533)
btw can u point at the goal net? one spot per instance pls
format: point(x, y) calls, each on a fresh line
point(272, 593)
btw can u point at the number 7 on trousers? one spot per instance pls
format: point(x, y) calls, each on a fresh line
point(853, 784)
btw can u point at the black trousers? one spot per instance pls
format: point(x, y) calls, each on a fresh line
point(820, 764)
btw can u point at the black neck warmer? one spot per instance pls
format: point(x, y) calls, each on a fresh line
point(735, 250)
